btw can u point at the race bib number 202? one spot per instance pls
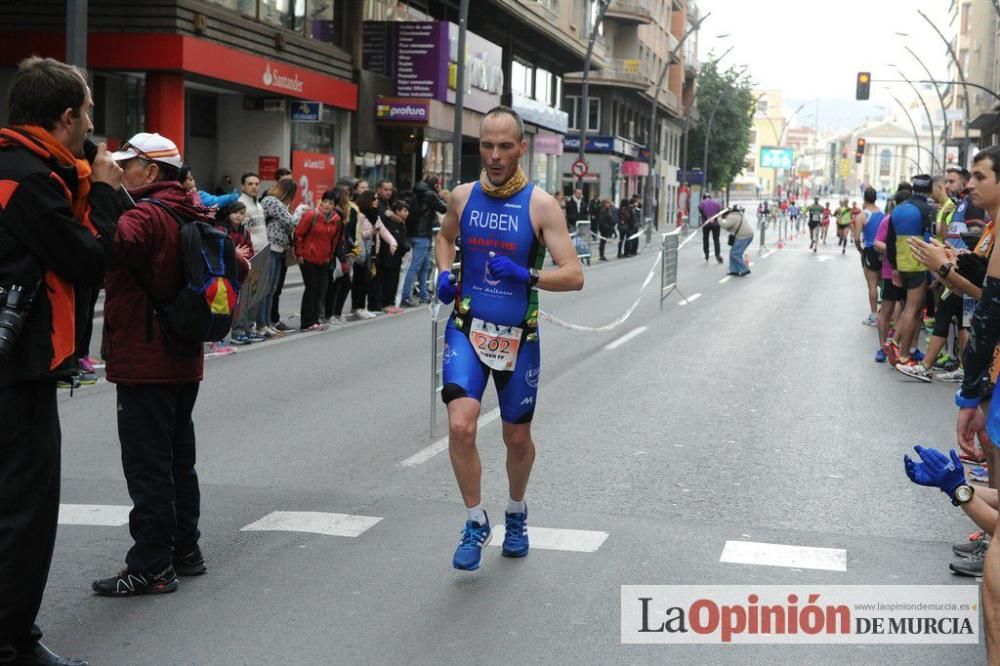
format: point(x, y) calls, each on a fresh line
point(496, 346)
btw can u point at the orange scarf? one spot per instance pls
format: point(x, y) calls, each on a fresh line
point(515, 184)
point(66, 158)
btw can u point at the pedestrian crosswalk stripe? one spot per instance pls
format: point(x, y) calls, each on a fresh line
point(780, 555)
point(689, 299)
point(726, 279)
point(330, 524)
point(552, 538)
point(108, 515)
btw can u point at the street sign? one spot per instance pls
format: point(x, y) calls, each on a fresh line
point(776, 158)
point(580, 168)
point(307, 112)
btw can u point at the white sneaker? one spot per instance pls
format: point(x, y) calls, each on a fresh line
point(366, 314)
point(872, 320)
point(918, 372)
point(953, 377)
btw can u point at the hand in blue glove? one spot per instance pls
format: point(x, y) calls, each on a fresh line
point(504, 268)
point(937, 470)
point(447, 287)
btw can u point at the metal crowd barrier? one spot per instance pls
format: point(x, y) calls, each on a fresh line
point(670, 249)
point(439, 321)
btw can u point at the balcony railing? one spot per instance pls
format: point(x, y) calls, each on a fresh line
point(632, 72)
point(630, 10)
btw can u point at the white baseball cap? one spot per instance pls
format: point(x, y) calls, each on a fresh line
point(153, 147)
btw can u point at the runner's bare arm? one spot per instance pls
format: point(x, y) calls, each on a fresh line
point(444, 246)
point(551, 223)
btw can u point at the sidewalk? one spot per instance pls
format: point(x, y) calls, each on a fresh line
point(292, 280)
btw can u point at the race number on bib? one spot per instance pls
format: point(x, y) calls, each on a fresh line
point(495, 345)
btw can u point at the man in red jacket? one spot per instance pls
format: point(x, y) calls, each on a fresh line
point(157, 380)
point(57, 221)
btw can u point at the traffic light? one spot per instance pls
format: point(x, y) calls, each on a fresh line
point(861, 147)
point(857, 157)
point(863, 89)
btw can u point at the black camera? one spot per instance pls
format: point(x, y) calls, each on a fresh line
point(17, 301)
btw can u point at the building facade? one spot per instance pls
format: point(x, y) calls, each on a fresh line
point(639, 40)
point(974, 27)
point(239, 85)
point(367, 88)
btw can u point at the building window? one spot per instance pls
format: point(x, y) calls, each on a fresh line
point(285, 13)
point(320, 22)
point(313, 18)
point(543, 86)
point(520, 78)
point(245, 7)
point(571, 105)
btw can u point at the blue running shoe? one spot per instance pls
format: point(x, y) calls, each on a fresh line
point(880, 356)
point(917, 355)
point(515, 542)
point(469, 553)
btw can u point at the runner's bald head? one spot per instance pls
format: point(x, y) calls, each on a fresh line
point(498, 112)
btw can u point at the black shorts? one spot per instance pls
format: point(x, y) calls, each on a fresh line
point(871, 260)
point(914, 279)
point(891, 292)
point(948, 310)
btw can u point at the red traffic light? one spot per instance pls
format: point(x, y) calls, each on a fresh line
point(863, 88)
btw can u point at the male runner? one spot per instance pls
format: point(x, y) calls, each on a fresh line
point(866, 225)
point(913, 217)
point(793, 215)
point(505, 225)
point(815, 213)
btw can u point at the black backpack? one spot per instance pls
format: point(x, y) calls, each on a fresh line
point(202, 311)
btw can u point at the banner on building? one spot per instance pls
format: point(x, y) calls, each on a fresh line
point(314, 173)
point(951, 155)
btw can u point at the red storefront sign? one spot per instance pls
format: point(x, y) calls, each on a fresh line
point(314, 173)
point(267, 165)
point(157, 52)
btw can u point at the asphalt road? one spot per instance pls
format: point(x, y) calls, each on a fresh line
point(753, 412)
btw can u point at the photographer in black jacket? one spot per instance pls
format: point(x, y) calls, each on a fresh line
point(57, 223)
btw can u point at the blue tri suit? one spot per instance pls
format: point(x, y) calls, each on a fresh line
point(501, 226)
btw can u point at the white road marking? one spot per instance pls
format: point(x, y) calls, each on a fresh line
point(553, 538)
point(425, 454)
point(823, 257)
point(107, 515)
point(625, 338)
point(726, 279)
point(689, 299)
point(780, 555)
point(330, 524)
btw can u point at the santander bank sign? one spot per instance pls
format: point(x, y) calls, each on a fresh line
point(275, 79)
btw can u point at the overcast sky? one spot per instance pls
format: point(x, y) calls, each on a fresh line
point(813, 50)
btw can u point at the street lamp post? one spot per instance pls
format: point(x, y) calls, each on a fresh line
point(913, 125)
point(930, 120)
point(583, 114)
point(961, 76)
point(647, 206)
point(456, 156)
point(944, 110)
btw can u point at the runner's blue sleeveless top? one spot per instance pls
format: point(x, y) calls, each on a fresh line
point(501, 226)
point(871, 227)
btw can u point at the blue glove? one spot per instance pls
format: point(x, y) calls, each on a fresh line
point(503, 267)
point(447, 287)
point(937, 470)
